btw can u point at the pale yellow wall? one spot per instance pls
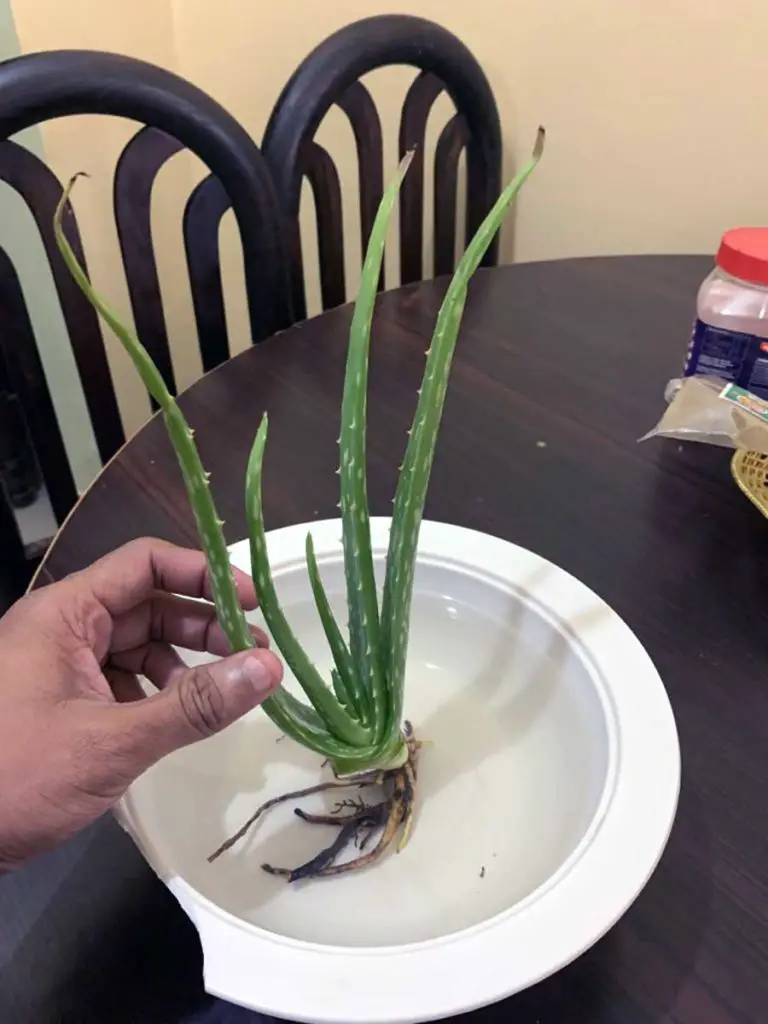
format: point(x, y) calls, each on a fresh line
point(655, 112)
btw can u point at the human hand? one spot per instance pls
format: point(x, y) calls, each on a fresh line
point(76, 728)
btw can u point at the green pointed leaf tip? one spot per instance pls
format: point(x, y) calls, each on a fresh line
point(355, 721)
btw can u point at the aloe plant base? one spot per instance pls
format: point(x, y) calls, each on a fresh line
point(356, 721)
point(358, 820)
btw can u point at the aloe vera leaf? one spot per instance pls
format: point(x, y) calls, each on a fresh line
point(338, 721)
point(362, 600)
point(412, 485)
point(294, 718)
point(342, 693)
point(196, 479)
point(393, 753)
point(345, 684)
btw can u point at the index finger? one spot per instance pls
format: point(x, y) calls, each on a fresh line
point(136, 571)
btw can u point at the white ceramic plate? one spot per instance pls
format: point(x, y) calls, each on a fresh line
point(545, 802)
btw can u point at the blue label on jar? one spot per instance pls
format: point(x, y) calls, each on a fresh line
point(730, 355)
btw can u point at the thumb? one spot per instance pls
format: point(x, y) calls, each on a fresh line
point(200, 702)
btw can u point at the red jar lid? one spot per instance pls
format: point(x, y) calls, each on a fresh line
point(743, 253)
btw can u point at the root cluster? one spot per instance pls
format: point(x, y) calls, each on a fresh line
point(358, 822)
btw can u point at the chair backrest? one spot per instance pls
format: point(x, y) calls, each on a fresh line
point(42, 86)
point(330, 75)
point(38, 87)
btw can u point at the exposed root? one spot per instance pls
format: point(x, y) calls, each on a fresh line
point(274, 802)
point(357, 821)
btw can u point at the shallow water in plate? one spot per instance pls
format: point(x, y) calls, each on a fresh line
point(509, 788)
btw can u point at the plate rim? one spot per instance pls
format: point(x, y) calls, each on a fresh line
point(508, 953)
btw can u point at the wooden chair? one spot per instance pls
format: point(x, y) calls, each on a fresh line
point(42, 86)
point(330, 75)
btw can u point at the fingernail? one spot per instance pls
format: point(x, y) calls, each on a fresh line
point(257, 674)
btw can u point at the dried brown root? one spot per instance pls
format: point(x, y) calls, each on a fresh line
point(322, 787)
point(356, 820)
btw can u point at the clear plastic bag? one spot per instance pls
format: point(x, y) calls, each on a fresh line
point(712, 411)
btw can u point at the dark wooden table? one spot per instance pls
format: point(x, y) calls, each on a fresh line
point(574, 354)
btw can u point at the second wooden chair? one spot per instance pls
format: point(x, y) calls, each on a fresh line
point(331, 75)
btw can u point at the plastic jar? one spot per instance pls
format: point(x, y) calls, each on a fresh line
point(730, 335)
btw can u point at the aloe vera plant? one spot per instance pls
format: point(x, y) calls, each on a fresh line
point(354, 720)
